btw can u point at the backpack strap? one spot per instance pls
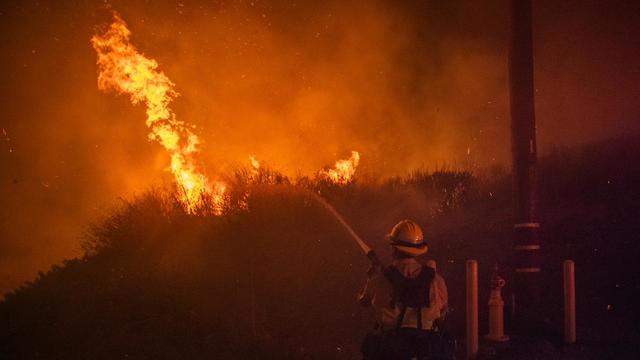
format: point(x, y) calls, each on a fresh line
point(401, 316)
point(393, 277)
point(430, 274)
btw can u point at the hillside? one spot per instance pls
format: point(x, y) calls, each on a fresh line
point(276, 276)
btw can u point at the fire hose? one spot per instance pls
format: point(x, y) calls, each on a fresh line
point(370, 253)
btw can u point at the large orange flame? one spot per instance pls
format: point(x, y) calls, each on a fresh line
point(343, 171)
point(126, 71)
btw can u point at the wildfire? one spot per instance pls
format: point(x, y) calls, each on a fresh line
point(122, 69)
point(343, 171)
point(255, 164)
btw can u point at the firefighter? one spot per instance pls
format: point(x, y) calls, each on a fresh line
point(409, 298)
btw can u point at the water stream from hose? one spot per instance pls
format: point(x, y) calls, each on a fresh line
point(365, 248)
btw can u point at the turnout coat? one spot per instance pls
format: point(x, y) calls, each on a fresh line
point(378, 291)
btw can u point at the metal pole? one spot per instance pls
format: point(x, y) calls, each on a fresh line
point(569, 302)
point(523, 142)
point(253, 306)
point(472, 309)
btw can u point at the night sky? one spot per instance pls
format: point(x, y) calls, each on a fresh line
point(297, 84)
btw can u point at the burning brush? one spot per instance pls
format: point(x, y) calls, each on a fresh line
point(343, 171)
point(124, 70)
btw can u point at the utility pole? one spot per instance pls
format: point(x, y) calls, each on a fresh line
point(523, 143)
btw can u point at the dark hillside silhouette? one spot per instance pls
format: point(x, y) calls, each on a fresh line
point(275, 276)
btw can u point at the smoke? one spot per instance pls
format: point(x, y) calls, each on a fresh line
point(298, 85)
point(303, 87)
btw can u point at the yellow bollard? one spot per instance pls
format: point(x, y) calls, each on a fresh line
point(472, 309)
point(496, 309)
point(569, 301)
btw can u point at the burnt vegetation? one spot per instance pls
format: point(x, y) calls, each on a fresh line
point(275, 276)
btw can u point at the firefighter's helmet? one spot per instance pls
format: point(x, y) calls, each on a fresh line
point(407, 237)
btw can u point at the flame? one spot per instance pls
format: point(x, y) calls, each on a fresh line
point(255, 164)
point(122, 69)
point(343, 171)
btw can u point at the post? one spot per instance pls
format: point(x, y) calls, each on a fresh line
point(472, 309)
point(253, 306)
point(496, 309)
point(523, 144)
point(569, 302)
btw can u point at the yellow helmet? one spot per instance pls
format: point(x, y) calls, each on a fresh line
point(407, 237)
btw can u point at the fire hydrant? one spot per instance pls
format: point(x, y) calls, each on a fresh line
point(496, 309)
